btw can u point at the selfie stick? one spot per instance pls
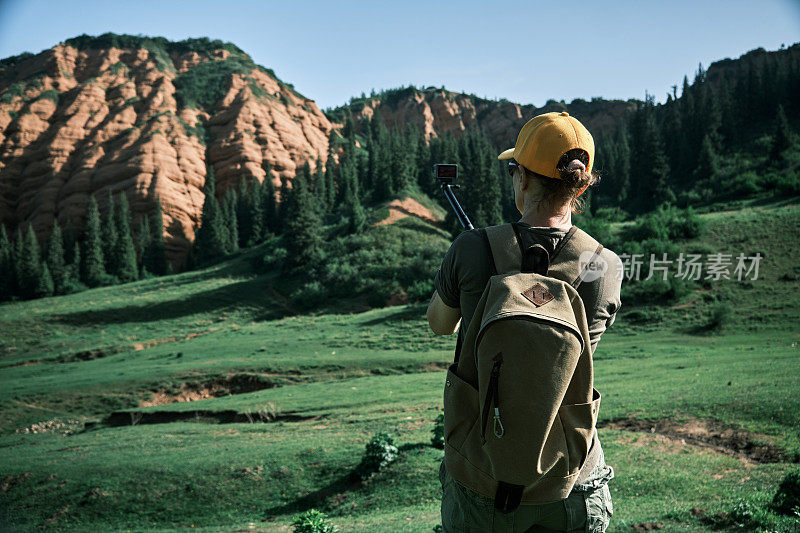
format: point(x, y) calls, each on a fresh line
point(462, 216)
point(446, 174)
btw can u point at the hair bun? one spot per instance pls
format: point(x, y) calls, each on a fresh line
point(576, 164)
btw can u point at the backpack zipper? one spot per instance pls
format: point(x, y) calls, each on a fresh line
point(493, 396)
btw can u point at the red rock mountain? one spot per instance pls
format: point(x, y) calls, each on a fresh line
point(434, 111)
point(144, 117)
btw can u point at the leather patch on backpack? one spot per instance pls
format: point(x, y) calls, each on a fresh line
point(538, 295)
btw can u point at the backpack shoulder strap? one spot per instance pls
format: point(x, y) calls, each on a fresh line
point(565, 263)
point(505, 248)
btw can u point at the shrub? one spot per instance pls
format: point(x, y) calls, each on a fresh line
point(612, 214)
point(50, 94)
point(720, 315)
point(14, 90)
point(787, 183)
point(438, 432)
point(744, 184)
point(597, 227)
point(667, 222)
point(420, 291)
point(274, 259)
point(787, 499)
point(379, 452)
point(657, 290)
point(383, 261)
point(313, 521)
point(205, 84)
point(309, 295)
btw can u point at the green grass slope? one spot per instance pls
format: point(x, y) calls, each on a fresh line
point(698, 424)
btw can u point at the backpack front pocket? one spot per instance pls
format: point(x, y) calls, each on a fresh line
point(460, 408)
point(578, 421)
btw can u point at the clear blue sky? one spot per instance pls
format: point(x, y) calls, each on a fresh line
point(526, 51)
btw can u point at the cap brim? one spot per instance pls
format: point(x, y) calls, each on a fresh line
point(508, 154)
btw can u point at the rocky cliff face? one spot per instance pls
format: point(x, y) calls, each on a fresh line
point(145, 119)
point(435, 111)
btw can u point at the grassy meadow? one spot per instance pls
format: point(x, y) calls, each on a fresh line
point(700, 424)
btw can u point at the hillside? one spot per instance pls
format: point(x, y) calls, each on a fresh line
point(138, 406)
point(146, 117)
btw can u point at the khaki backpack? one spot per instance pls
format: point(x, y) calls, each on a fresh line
point(519, 403)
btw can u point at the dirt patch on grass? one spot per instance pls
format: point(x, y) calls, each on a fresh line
point(192, 391)
point(64, 427)
point(399, 209)
point(204, 416)
point(10, 482)
point(157, 342)
point(647, 526)
point(58, 515)
point(90, 355)
point(672, 435)
point(435, 366)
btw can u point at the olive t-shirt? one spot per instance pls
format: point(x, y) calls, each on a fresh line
point(466, 269)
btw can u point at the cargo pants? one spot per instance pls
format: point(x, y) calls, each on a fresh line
point(588, 508)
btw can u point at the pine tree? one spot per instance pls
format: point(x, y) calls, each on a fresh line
point(398, 177)
point(155, 259)
point(321, 189)
point(706, 174)
point(44, 285)
point(94, 273)
point(269, 206)
point(782, 139)
point(124, 252)
point(143, 236)
point(672, 133)
point(16, 260)
point(109, 236)
point(330, 183)
point(75, 266)
point(29, 271)
point(6, 267)
point(258, 217)
point(244, 214)
point(349, 129)
point(424, 166)
point(282, 205)
point(229, 212)
point(348, 178)
point(623, 179)
point(688, 141)
point(490, 189)
point(651, 186)
point(210, 242)
point(729, 121)
point(57, 267)
point(302, 236)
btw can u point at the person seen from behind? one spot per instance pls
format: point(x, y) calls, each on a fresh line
point(521, 446)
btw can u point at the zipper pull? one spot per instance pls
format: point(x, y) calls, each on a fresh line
point(499, 430)
point(498, 424)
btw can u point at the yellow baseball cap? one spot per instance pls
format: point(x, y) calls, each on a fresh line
point(545, 138)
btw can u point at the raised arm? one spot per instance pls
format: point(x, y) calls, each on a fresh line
point(442, 318)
